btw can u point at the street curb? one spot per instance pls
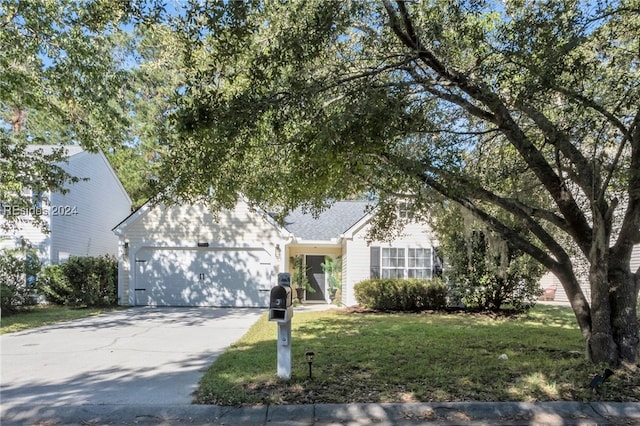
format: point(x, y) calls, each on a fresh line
point(435, 413)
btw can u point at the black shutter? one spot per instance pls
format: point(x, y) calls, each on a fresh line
point(438, 263)
point(374, 262)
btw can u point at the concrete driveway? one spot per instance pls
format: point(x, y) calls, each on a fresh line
point(135, 356)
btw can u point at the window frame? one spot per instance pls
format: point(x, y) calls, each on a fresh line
point(397, 261)
point(391, 269)
point(426, 270)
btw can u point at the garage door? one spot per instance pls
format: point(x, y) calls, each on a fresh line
point(203, 277)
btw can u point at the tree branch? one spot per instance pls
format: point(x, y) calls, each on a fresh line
point(579, 226)
point(584, 176)
point(420, 171)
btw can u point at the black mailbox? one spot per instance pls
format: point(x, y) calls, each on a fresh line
point(280, 297)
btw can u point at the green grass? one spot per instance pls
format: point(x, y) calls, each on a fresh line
point(371, 357)
point(38, 316)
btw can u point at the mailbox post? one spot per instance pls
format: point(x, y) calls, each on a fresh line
point(281, 311)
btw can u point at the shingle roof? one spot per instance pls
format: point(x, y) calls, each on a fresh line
point(69, 150)
point(331, 223)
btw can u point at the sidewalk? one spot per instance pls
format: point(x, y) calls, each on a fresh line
point(462, 413)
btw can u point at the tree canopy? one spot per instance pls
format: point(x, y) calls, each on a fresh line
point(66, 78)
point(525, 113)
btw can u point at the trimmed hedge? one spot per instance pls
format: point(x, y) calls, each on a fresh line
point(16, 287)
point(82, 281)
point(395, 294)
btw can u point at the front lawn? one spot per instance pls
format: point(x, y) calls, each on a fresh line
point(38, 316)
point(373, 357)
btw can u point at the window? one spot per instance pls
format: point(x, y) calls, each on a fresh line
point(393, 263)
point(403, 210)
point(419, 263)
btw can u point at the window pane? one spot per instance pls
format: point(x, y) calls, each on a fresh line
point(419, 263)
point(397, 273)
point(422, 274)
point(393, 273)
point(393, 262)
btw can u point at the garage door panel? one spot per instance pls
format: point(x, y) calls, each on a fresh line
point(183, 277)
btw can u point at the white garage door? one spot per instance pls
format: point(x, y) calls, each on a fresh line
point(203, 277)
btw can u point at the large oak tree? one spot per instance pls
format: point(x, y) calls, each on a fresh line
point(525, 112)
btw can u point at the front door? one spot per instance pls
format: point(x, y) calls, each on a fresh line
point(316, 277)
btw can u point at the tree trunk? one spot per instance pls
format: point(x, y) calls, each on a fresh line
point(623, 298)
point(601, 346)
point(577, 299)
point(610, 325)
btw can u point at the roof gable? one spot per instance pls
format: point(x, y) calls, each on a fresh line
point(329, 224)
point(150, 205)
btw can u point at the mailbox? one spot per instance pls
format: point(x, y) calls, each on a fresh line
point(280, 304)
point(280, 297)
point(281, 315)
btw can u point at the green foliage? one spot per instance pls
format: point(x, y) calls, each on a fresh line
point(483, 271)
point(152, 85)
point(82, 281)
point(394, 294)
point(61, 84)
point(81, 73)
point(54, 284)
point(18, 269)
point(333, 271)
point(525, 113)
point(299, 276)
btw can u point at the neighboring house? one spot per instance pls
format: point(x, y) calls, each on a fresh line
point(183, 255)
point(549, 280)
point(79, 221)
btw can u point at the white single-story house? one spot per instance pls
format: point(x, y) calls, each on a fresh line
point(80, 221)
point(183, 255)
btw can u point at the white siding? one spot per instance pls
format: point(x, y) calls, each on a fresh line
point(345, 270)
point(357, 253)
point(82, 219)
point(549, 279)
point(635, 258)
point(29, 234)
point(184, 226)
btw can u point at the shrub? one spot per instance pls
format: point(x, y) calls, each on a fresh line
point(483, 270)
point(54, 284)
point(515, 287)
point(393, 294)
point(17, 286)
point(82, 281)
